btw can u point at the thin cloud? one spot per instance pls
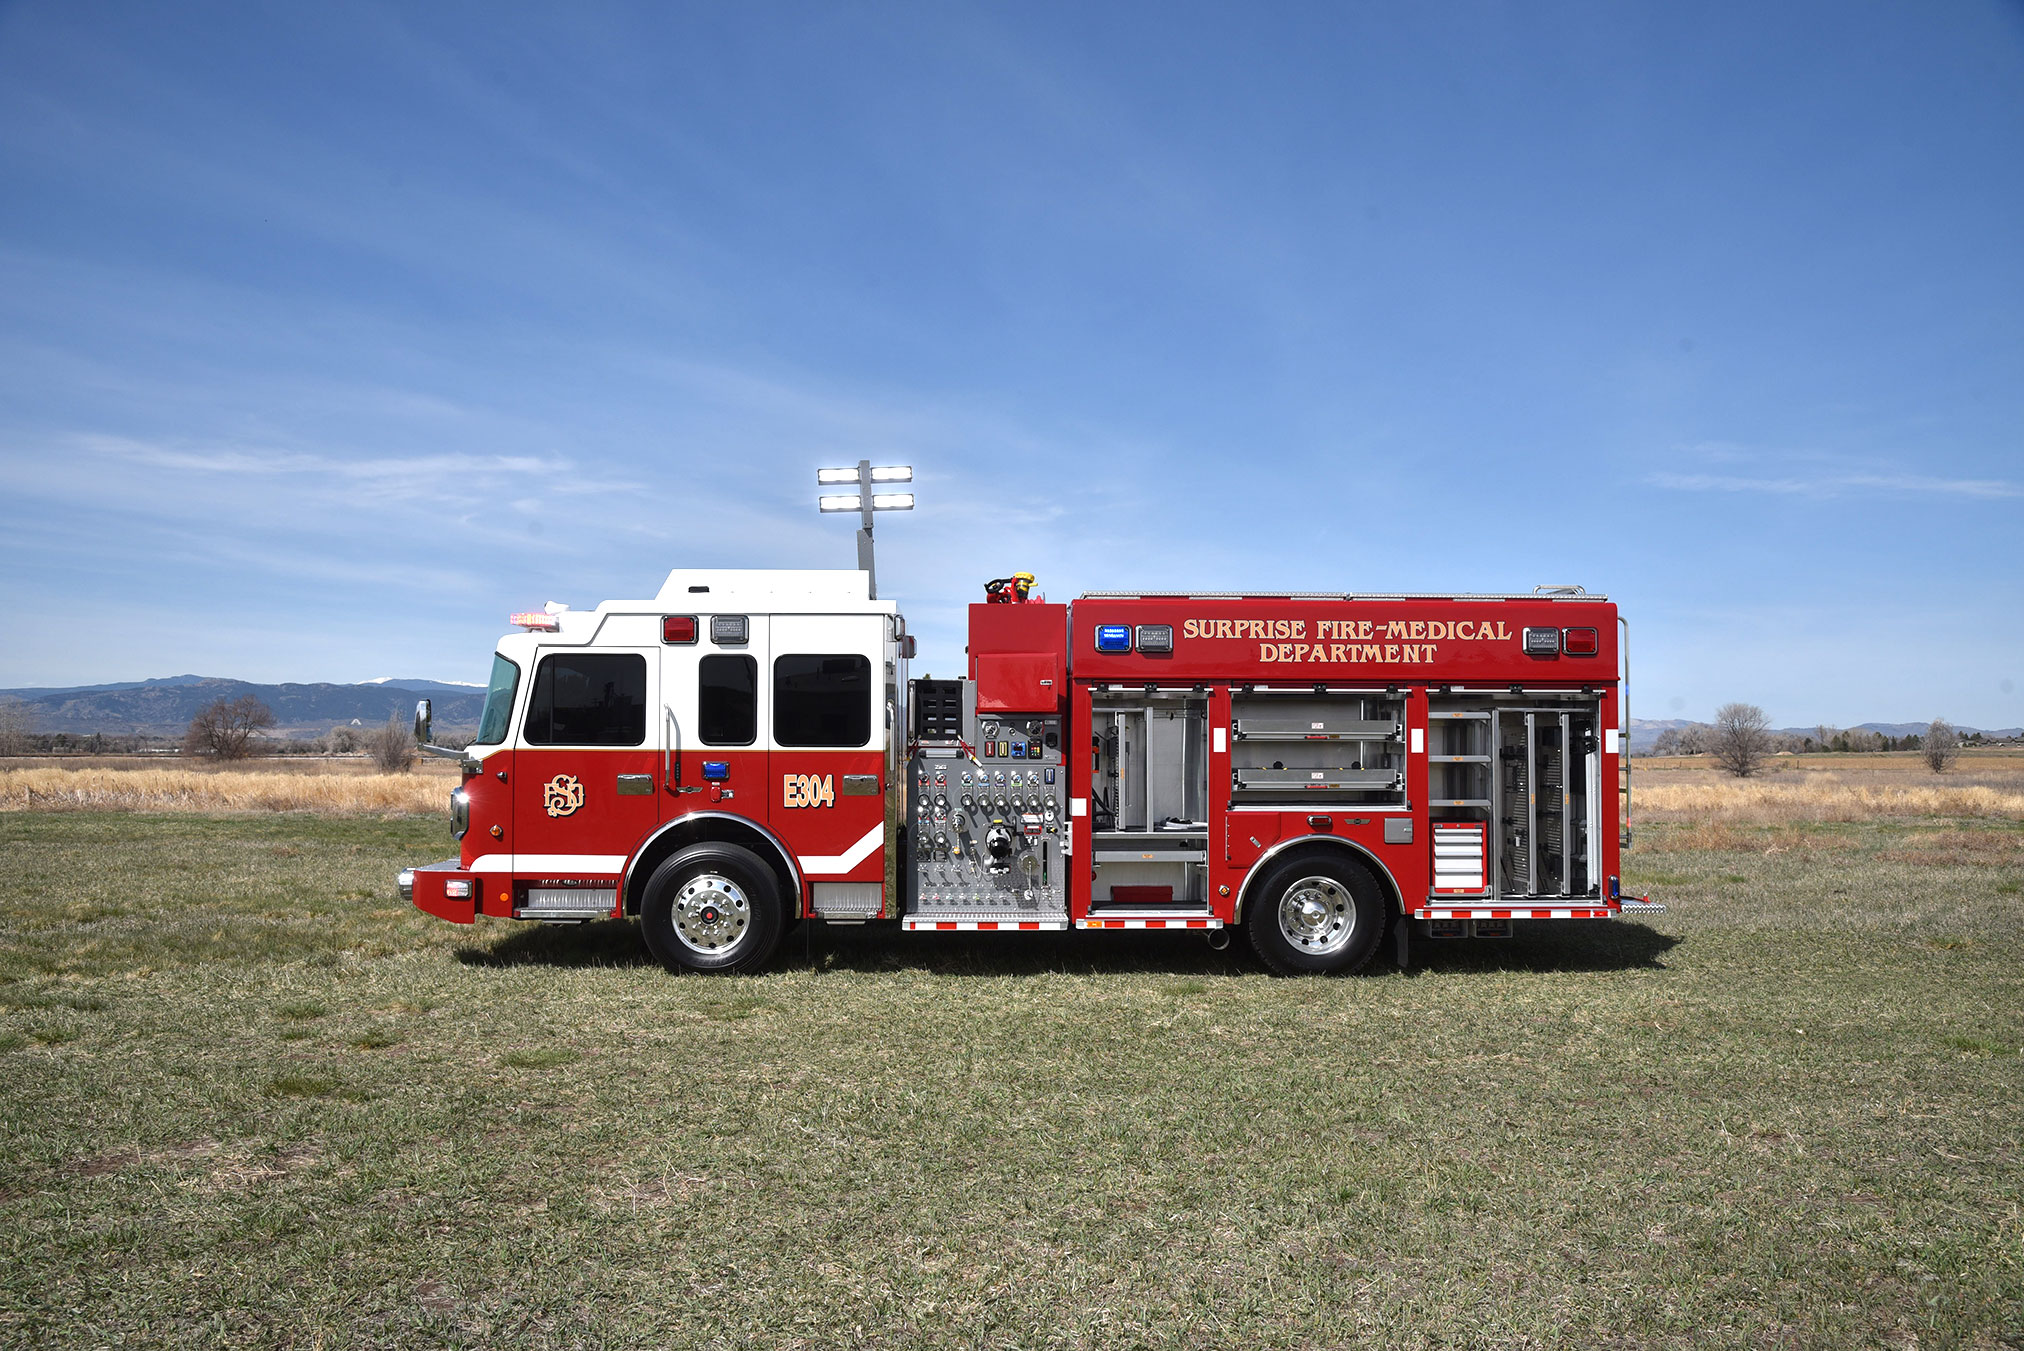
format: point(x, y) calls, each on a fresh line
point(1836, 485)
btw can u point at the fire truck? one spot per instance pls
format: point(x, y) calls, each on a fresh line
point(1329, 775)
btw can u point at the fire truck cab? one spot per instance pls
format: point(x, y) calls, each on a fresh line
point(1328, 773)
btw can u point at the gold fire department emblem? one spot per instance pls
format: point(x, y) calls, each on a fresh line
point(562, 794)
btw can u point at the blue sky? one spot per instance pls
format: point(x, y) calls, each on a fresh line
point(330, 334)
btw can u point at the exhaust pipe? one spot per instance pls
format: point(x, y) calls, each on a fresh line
point(1219, 939)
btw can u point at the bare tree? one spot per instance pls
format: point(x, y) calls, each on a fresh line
point(13, 727)
point(1825, 733)
point(226, 728)
point(341, 741)
point(1740, 738)
point(1694, 739)
point(1668, 742)
point(391, 747)
point(1941, 747)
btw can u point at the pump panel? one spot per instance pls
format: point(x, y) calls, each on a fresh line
point(987, 811)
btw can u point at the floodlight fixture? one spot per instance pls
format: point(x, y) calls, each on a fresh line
point(864, 501)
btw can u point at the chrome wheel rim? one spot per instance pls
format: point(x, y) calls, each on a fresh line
point(711, 914)
point(1317, 915)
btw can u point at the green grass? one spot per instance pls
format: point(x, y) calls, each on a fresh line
point(249, 1098)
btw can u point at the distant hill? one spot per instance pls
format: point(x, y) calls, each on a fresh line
point(164, 707)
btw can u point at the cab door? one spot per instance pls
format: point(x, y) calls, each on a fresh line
point(829, 734)
point(587, 772)
point(713, 707)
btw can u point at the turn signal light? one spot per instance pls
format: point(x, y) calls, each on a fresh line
point(678, 628)
point(1580, 643)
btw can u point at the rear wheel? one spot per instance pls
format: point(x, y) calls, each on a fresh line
point(1315, 915)
point(712, 907)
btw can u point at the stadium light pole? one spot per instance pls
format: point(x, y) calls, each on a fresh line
point(864, 501)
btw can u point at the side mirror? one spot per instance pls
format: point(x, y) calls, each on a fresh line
point(423, 716)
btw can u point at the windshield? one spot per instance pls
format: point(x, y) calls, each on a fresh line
point(498, 714)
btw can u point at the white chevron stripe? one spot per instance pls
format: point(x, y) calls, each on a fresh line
point(828, 865)
point(557, 865)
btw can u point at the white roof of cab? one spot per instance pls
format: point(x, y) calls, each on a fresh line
point(766, 590)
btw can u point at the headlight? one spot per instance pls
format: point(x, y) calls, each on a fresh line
point(460, 813)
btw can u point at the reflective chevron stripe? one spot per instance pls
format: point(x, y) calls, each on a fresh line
point(1536, 912)
point(1149, 924)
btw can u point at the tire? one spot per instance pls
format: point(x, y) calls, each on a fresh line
point(712, 907)
point(1315, 914)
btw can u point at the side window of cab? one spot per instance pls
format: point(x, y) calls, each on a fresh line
point(727, 700)
point(822, 700)
point(588, 699)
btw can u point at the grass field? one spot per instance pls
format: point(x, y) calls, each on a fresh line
point(250, 1099)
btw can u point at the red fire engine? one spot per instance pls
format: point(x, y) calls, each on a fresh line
point(1325, 772)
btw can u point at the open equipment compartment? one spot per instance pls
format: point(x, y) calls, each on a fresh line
point(1150, 798)
point(1321, 748)
point(1548, 801)
point(1460, 795)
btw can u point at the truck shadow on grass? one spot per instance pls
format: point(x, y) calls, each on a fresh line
point(1603, 945)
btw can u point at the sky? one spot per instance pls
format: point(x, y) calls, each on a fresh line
point(332, 334)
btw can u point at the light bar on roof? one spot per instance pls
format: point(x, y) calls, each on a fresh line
point(535, 620)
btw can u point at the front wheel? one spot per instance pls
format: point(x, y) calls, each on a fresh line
point(1315, 915)
point(712, 907)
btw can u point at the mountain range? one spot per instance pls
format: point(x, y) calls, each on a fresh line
point(164, 707)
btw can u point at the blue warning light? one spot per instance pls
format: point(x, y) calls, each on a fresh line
point(1113, 637)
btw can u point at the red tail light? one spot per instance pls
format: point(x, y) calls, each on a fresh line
point(1580, 643)
point(678, 628)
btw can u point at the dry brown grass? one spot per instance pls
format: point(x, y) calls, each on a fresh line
point(258, 764)
point(1860, 795)
point(217, 791)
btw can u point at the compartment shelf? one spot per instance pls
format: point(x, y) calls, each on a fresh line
point(1458, 759)
point(1317, 729)
point(1311, 780)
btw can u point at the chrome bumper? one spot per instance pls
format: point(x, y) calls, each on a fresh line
point(405, 882)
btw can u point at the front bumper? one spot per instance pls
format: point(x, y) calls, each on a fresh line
point(428, 887)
